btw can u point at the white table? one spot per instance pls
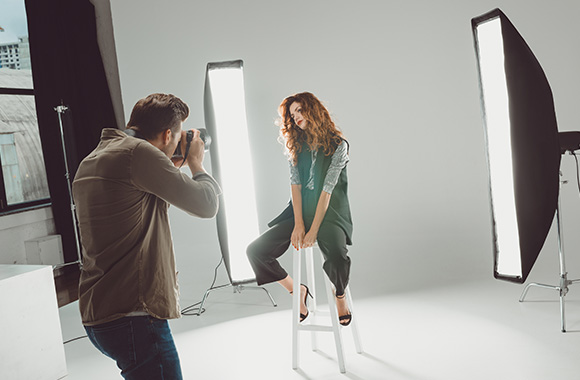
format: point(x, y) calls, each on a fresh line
point(31, 344)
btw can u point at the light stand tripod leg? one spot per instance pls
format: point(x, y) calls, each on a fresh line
point(199, 311)
point(562, 291)
point(564, 282)
point(239, 289)
point(270, 296)
point(525, 292)
point(562, 315)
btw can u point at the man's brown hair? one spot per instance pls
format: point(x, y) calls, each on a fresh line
point(156, 113)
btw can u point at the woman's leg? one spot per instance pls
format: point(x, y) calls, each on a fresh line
point(265, 250)
point(288, 284)
point(263, 254)
point(332, 243)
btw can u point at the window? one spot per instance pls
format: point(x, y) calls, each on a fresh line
point(10, 169)
point(22, 173)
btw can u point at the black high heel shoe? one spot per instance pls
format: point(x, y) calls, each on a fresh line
point(304, 316)
point(346, 317)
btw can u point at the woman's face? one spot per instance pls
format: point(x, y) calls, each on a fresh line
point(296, 115)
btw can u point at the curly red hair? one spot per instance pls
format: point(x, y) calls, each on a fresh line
point(321, 130)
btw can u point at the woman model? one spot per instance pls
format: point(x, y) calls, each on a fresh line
point(319, 209)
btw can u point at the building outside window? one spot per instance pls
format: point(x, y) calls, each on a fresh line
point(10, 169)
point(22, 172)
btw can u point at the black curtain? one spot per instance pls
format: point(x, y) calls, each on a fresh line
point(67, 69)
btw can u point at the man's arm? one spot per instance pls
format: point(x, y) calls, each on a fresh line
point(154, 173)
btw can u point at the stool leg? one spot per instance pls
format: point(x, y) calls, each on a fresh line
point(295, 307)
point(355, 335)
point(310, 276)
point(309, 256)
point(335, 324)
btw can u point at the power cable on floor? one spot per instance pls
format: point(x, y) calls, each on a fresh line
point(188, 311)
point(194, 309)
point(73, 339)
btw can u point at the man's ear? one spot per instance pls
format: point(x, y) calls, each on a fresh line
point(166, 136)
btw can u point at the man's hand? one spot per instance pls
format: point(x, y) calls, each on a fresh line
point(196, 151)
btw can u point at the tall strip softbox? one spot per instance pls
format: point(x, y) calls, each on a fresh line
point(522, 144)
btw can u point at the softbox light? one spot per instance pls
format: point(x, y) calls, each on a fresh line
point(523, 152)
point(225, 119)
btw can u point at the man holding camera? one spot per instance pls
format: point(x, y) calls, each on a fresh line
point(122, 190)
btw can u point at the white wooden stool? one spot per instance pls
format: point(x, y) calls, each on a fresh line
point(335, 327)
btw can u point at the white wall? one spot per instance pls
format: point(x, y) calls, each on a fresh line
point(400, 79)
point(17, 228)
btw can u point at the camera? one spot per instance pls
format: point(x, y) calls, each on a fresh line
point(203, 135)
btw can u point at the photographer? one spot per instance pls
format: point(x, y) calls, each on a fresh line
point(122, 190)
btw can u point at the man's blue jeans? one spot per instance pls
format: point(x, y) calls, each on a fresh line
point(142, 346)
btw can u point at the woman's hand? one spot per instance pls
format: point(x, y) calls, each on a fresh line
point(310, 238)
point(297, 236)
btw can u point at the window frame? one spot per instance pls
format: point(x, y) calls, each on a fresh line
point(5, 208)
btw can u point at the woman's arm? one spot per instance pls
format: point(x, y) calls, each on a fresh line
point(337, 163)
point(299, 230)
point(321, 208)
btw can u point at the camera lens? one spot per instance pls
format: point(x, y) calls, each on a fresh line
point(203, 135)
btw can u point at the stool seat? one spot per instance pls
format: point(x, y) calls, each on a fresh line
point(335, 327)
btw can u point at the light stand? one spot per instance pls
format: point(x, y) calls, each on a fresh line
point(237, 218)
point(562, 288)
point(60, 110)
point(524, 151)
point(237, 289)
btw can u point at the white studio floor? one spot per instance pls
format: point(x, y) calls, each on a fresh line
point(470, 331)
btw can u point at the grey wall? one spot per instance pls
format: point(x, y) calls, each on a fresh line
point(400, 80)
